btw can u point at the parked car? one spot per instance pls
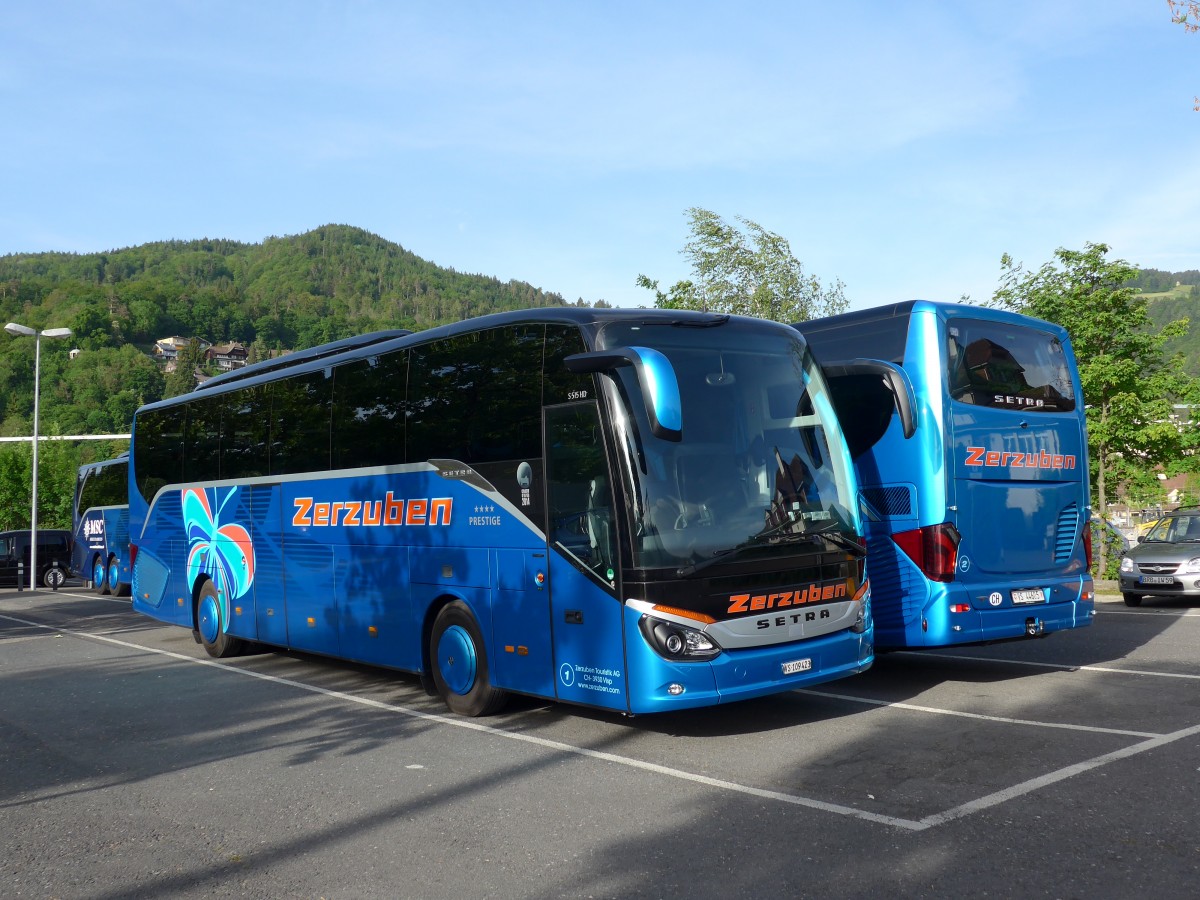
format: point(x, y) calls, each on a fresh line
point(1144, 528)
point(53, 556)
point(1166, 562)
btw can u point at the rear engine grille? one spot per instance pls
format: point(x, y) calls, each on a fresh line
point(1065, 533)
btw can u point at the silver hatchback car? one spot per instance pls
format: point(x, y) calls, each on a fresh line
point(1166, 561)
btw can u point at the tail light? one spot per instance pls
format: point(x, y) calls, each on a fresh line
point(933, 548)
point(132, 555)
point(1087, 546)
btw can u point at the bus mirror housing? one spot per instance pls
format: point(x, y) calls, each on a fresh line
point(656, 377)
point(865, 392)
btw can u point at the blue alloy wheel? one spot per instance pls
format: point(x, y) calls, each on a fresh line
point(458, 662)
point(99, 577)
point(114, 575)
point(456, 659)
point(209, 618)
point(212, 629)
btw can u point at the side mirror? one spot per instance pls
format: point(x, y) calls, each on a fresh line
point(656, 378)
point(865, 392)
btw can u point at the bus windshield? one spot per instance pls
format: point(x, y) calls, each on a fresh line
point(755, 464)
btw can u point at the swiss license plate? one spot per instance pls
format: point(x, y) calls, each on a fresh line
point(1156, 579)
point(797, 665)
point(1028, 596)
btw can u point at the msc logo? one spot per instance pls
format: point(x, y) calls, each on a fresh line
point(390, 511)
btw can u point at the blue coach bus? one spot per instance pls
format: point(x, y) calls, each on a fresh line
point(100, 529)
point(639, 511)
point(977, 527)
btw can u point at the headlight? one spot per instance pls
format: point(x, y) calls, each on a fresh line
point(1191, 566)
point(1126, 564)
point(678, 642)
point(864, 617)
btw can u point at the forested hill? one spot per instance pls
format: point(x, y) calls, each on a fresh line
point(1171, 296)
point(285, 293)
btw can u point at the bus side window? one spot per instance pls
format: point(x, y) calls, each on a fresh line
point(300, 410)
point(559, 384)
point(202, 446)
point(160, 449)
point(368, 411)
point(245, 433)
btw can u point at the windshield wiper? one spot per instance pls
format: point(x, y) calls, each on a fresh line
point(844, 542)
point(777, 532)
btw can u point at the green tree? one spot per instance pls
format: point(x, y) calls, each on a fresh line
point(747, 271)
point(183, 379)
point(1129, 385)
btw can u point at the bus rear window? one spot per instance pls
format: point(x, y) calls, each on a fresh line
point(1007, 367)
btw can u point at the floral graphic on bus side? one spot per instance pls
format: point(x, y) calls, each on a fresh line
point(223, 552)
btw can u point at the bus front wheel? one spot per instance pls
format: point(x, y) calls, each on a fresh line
point(210, 625)
point(459, 661)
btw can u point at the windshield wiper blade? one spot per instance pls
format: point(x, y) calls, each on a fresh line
point(695, 567)
point(845, 543)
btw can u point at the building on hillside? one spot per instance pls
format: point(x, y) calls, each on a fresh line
point(227, 356)
point(168, 349)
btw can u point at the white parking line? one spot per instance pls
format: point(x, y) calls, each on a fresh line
point(1034, 784)
point(957, 812)
point(1112, 670)
point(1004, 720)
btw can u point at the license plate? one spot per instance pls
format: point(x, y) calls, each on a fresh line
point(1156, 579)
point(797, 665)
point(1029, 596)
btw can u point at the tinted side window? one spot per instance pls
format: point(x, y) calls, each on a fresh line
point(559, 384)
point(300, 410)
point(245, 429)
point(202, 445)
point(105, 486)
point(476, 397)
point(158, 449)
point(368, 411)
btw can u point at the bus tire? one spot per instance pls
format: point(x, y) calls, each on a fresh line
point(112, 574)
point(99, 576)
point(1132, 599)
point(458, 658)
point(210, 625)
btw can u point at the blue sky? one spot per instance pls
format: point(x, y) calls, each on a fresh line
point(900, 147)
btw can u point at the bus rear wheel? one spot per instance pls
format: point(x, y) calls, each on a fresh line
point(99, 576)
point(210, 625)
point(460, 666)
point(114, 578)
point(1132, 599)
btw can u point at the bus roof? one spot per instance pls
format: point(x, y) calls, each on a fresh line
point(880, 316)
point(380, 342)
point(122, 457)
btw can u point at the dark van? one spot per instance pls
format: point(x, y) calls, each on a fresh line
point(53, 552)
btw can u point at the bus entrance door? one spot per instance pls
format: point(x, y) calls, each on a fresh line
point(585, 612)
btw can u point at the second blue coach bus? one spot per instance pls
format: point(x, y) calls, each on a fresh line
point(978, 526)
point(639, 511)
point(100, 529)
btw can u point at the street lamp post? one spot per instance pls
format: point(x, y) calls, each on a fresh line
point(18, 330)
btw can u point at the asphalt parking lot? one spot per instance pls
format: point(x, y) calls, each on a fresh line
point(134, 766)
